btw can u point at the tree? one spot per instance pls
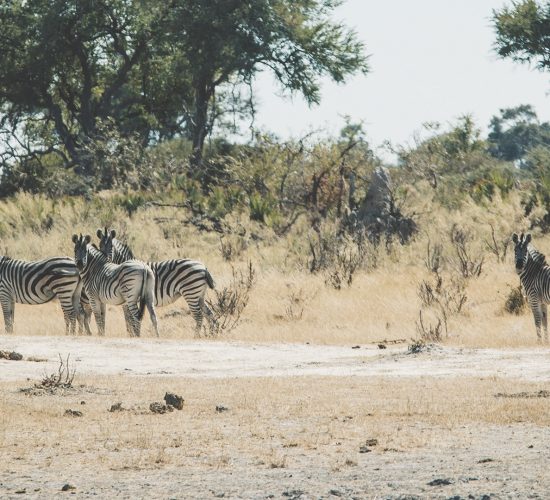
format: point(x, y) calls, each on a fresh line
point(515, 132)
point(523, 32)
point(75, 72)
point(221, 45)
point(65, 65)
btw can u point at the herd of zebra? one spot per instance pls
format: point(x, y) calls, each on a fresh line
point(108, 273)
point(104, 274)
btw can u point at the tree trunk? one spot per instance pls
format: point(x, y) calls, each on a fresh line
point(199, 126)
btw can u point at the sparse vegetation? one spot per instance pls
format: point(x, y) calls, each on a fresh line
point(230, 302)
point(515, 301)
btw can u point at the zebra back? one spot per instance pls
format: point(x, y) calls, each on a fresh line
point(37, 282)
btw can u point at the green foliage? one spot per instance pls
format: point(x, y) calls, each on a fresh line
point(63, 65)
point(522, 32)
point(515, 132)
point(220, 46)
point(457, 164)
point(222, 201)
point(149, 71)
point(262, 208)
point(130, 202)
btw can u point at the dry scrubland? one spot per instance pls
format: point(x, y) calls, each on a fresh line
point(290, 437)
point(288, 303)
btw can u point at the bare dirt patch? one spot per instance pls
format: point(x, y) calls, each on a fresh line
point(299, 421)
point(204, 359)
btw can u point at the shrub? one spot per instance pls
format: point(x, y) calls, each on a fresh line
point(515, 301)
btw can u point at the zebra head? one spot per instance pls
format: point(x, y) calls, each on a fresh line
point(521, 250)
point(106, 242)
point(80, 250)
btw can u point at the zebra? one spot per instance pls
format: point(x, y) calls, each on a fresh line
point(174, 278)
point(534, 274)
point(38, 282)
point(130, 283)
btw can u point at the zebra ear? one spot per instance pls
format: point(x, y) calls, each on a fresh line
point(515, 238)
point(75, 238)
point(100, 234)
point(87, 239)
point(528, 238)
point(113, 233)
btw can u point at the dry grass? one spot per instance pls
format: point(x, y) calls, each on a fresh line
point(288, 303)
point(270, 423)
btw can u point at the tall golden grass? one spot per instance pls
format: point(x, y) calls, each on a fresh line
point(288, 303)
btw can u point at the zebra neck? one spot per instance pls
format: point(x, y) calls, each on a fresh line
point(121, 252)
point(536, 263)
point(536, 256)
point(95, 261)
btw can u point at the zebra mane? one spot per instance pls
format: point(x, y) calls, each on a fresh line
point(96, 252)
point(122, 247)
point(537, 256)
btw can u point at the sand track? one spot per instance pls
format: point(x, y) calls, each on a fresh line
point(208, 359)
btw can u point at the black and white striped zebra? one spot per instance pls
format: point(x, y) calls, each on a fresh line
point(131, 284)
point(174, 278)
point(534, 274)
point(38, 282)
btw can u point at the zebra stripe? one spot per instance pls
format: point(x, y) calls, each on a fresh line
point(129, 284)
point(174, 278)
point(534, 274)
point(38, 282)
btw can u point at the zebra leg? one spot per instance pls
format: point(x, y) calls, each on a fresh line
point(133, 311)
point(99, 314)
point(196, 311)
point(128, 320)
point(153, 314)
point(84, 312)
point(150, 300)
point(537, 315)
point(544, 310)
point(70, 319)
point(84, 318)
point(209, 316)
point(8, 308)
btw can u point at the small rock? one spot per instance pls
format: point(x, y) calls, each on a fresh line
point(485, 460)
point(73, 413)
point(83, 402)
point(440, 482)
point(160, 408)
point(12, 356)
point(293, 494)
point(21, 492)
point(364, 449)
point(356, 347)
point(116, 407)
point(174, 400)
point(371, 442)
point(335, 493)
point(382, 346)
point(221, 409)
point(68, 487)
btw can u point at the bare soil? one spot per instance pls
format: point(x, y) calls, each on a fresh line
point(298, 421)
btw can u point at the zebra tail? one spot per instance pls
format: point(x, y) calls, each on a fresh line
point(142, 299)
point(210, 280)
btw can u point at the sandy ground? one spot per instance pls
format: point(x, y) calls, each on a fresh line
point(235, 359)
point(442, 431)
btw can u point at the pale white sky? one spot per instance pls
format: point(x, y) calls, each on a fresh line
point(431, 60)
